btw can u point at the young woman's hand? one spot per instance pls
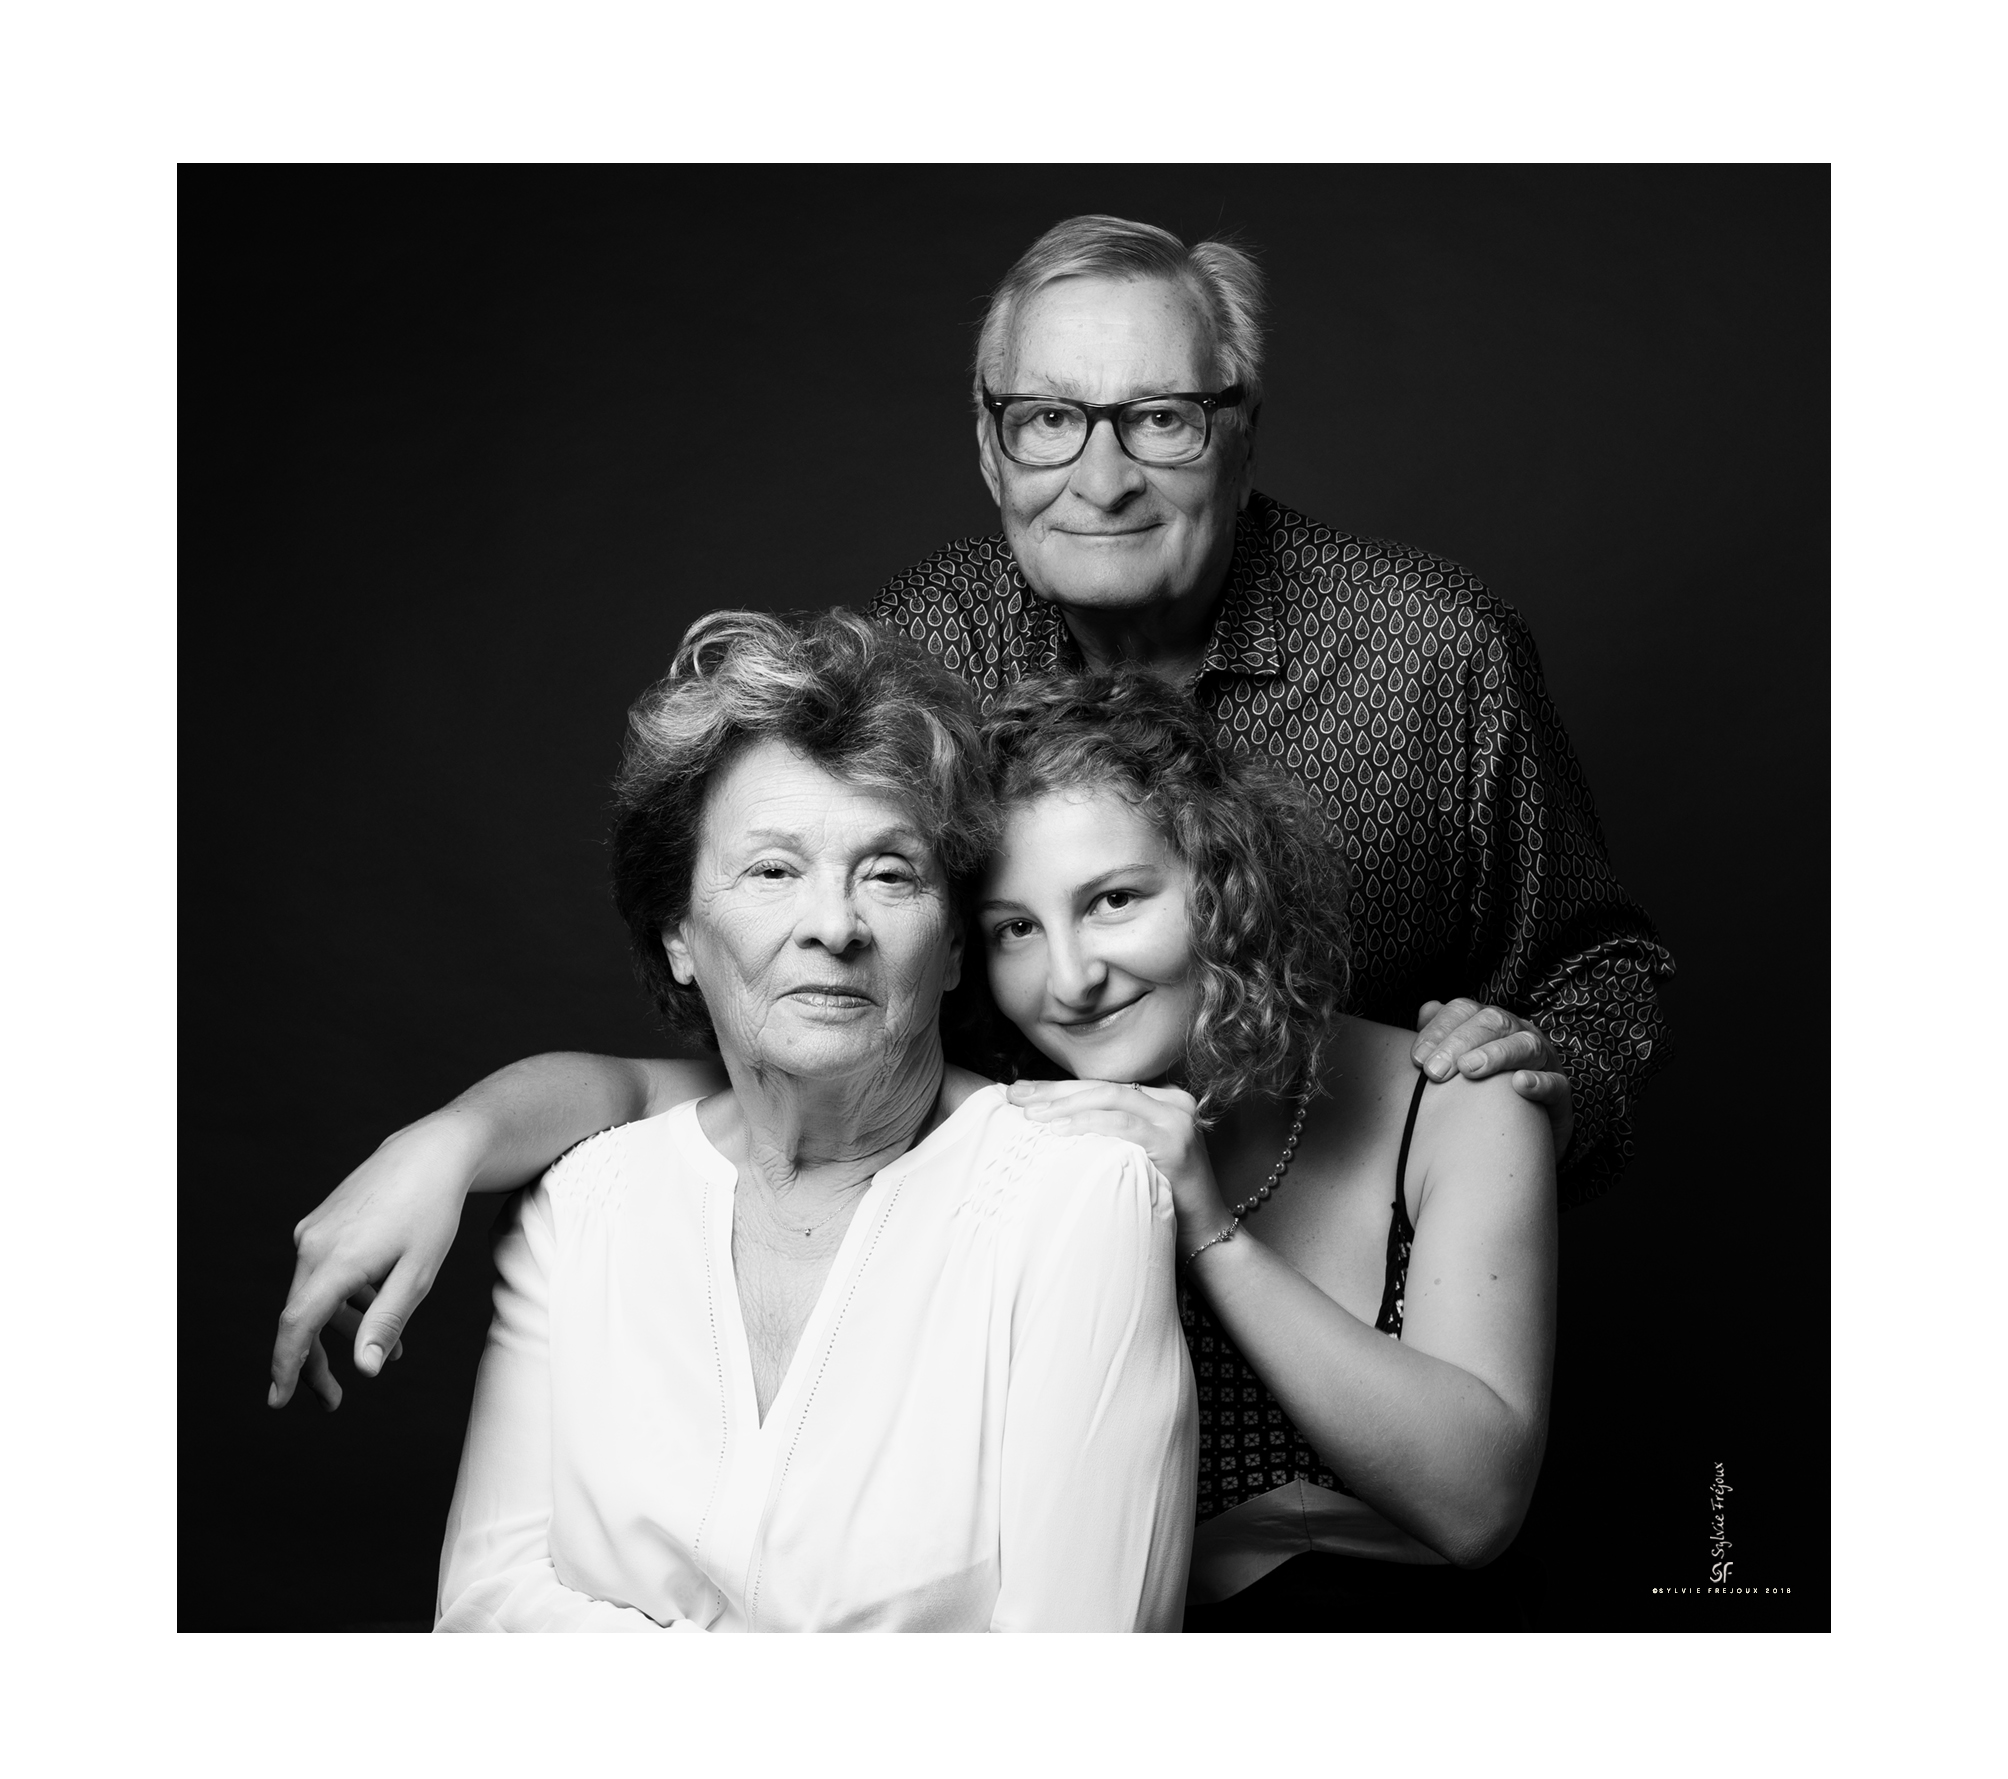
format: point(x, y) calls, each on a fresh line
point(368, 1254)
point(1159, 1120)
point(390, 1223)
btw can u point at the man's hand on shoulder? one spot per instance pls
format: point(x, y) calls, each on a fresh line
point(1462, 1038)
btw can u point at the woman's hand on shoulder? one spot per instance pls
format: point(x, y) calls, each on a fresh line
point(1159, 1120)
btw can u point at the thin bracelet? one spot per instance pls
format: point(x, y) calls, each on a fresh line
point(1224, 1235)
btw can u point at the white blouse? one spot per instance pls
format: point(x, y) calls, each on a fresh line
point(989, 1421)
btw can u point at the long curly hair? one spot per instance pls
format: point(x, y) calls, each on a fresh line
point(1267, 907)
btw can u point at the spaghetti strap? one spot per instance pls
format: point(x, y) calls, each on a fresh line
point(1248, 1445)
point(1407, 1131)
point(1400, 1231)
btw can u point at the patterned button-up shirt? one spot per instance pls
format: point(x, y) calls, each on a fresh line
point(1410, 700)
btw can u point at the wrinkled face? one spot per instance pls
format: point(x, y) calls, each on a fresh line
point(1084, 926)
point(1105, 532)
point(819, 930)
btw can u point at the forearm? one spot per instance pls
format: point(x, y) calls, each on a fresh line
point(507, 1129)
point(1427, 1443)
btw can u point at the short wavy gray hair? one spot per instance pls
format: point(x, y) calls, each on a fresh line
point(869, 705)
point(1223, 277)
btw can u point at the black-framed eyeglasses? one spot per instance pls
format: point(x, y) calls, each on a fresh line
point(1048, 431)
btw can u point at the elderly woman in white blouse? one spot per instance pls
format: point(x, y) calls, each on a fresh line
point(853, 1344)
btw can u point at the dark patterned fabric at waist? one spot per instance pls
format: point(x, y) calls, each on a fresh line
point(1248, 1444)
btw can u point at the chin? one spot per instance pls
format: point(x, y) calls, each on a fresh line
point(1109, 592)
point(1114, 1062)
point(818, 1054)
point(1068, 579)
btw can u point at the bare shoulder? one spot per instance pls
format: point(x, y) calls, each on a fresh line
point(1369, 1049)
point(1369, 1079)
point(1463, 1129)
point(1487, 1111)
point(1482, 1136)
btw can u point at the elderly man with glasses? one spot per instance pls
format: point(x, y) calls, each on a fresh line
point(1118, 385)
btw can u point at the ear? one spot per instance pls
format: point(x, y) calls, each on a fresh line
point(986, 459)
point(1245, 481)
point(951, 975)
point(676, 946)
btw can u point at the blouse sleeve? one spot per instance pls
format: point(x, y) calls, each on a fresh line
point(496, 1573)
point(1100, 1423)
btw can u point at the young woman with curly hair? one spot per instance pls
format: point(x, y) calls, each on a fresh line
point(1164, 919)
point(1163, 922)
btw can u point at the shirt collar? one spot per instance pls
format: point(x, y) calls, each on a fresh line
point(1049, 645)
point(1247, 630)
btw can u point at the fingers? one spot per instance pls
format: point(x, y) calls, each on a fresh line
point(320, 1379)
point(1461, 1025)
point(1551, 1091)
point(1524, 1049)
point(1076, 1095)
point(1047, 1093)
point(1543, 1086)
point(317, 1293)
point(390, 1308)
point(348, 1320)
point(1175, 1097)
point(1438, 1020)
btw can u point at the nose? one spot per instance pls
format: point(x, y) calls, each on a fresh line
point(827, 915)
point(1074, 975)
point(1104, 473)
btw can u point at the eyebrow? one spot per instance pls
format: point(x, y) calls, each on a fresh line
point(1067, 390)
point(1094, 884)
point(885, 840)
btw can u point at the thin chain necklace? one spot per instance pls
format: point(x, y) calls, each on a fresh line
point(775, 1215)
point(1249, 1206)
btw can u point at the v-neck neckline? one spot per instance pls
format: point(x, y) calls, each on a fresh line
point(817, 1329)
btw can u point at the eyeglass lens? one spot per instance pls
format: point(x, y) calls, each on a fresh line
point(1159, 431)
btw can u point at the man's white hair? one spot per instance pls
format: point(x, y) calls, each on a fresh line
point(1222, 277)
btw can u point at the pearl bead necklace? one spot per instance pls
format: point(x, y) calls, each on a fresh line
point(1248, 1207)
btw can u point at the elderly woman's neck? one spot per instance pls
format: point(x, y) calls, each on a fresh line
point(838, 1132)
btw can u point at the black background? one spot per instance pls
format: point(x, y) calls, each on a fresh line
point(464, 450)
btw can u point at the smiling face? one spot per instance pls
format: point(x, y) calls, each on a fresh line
point(819, 931)
point(1085, 932)
point(1104, 532)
